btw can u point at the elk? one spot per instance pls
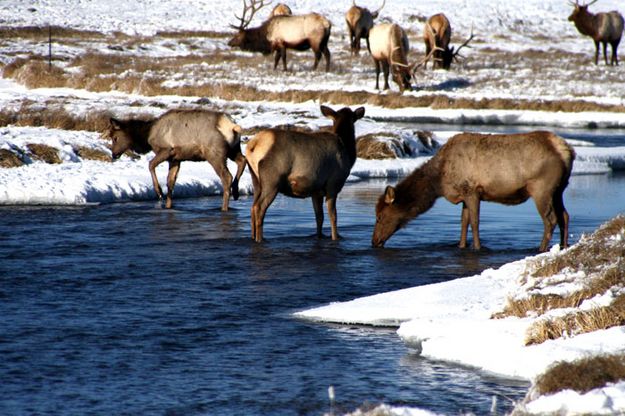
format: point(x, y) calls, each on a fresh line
point(279, 33)
point(603, 28)
point(302, 165)
point(469, 168)
point(281, 9)
point(437, 35)
point(389, 49)
point(181, 135)
point(359, 21)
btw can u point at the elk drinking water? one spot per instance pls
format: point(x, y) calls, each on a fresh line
point(279, 33)
point(181, 135)
point(603, 28)
point(303, 165)
point(470, 168)
point(359, 21)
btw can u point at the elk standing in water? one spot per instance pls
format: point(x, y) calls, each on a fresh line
point(471, 168)
point(437, 35)
point(603, 28)
point(303, 165)
point(279, 33)
point(359, 21)
point(181, 135)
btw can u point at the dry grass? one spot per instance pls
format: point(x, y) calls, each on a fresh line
point(601, 258)
point(380, 146)
point(578, 323)
point(8, 159)
point(44, 153)
point(53, 115)
point(582, 375)
point(88, 153)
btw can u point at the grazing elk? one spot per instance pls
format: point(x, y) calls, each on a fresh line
point(359, 22)
point(437, 35)
point(279, 33)
point(471, 168)
point(389, 49)
point(281, 9)
point(603, 28)
point(303, 165)
point(181, 135)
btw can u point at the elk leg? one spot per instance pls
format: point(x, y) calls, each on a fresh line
point(283, 54)
point(276, 59)
point(160, 157)
point(326, 55)
point(473, 206)
point(385, 68)
point(257, 192)
point(226, 181)
point(266, 197)
point(174, 168)
point(563, 218)
point(317, 53)
point(377, 75)
point(239, 159)
point(317, 201)
point(615, 53)
point(331, 205)
point(596, 52)
point(605, 52)
point(545, 207)
point(464, 226)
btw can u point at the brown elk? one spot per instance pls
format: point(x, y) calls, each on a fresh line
point(281, 9)
point(359, 21)
point(437, 35)
point(389, 49)
point(470, 168)
point(279, 33)
point(603, 28)
point(303, 165)
point(181, 135)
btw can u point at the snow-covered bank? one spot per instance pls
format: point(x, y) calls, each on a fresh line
point(453, 321)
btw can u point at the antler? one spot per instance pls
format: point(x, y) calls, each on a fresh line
point(254, 6)
point(383, 3)
point(466, 43)
point(425, 60)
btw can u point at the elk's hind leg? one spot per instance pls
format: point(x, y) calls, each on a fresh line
point(267, 191)
point(545, 207)
point(563, 218)
point(317, 201)
point(159, 158)
point(174, 168)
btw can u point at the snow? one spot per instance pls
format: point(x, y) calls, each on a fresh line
point(447, 321)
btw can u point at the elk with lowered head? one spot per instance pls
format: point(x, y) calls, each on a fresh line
point(181, 135)
point(359, 22)
point(603, 28)
point(437, 35)
point(470, 168)
point(279, 33)
point(303, 165)
point(389, 49)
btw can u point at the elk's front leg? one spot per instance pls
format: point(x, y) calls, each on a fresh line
point(159, 158)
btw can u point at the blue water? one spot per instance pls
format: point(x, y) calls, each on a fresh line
point(133, 309)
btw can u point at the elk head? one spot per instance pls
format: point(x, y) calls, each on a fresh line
point(579, 10)
point(388, 218)
point(240, 39)
point(452, 54)
point(121, 140)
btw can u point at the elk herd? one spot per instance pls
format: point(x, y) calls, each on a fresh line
point(468, 169)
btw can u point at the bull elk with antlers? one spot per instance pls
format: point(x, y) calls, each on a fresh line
point(279, 33)
point(359, 21)
point(389, 48)
point(437, 35)
point(603, 28)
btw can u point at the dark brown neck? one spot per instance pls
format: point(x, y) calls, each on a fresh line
point(418, 192)
point(140, 133)
point(346, 132)
point(585, 23)
point(256, 39)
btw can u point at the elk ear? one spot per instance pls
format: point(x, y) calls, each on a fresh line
point(327, 111)
point(359, 113)
point(389, 195)
point(115, 124)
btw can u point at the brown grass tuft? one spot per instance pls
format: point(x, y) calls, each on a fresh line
point(8, 159)
point(582, 375)
point(88, 153)
point(44, 153)
point(380, 146)
point(578, 322)
point(599, 256)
